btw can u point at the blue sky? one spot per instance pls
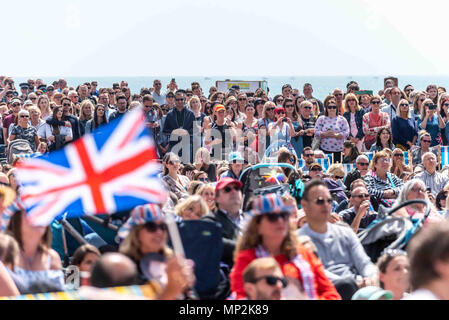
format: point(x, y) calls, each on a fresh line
point(232, 37)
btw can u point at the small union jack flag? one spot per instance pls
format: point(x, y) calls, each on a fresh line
point(104, 172)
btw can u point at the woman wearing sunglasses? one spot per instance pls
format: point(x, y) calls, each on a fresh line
point(374, 121)
point(424, 146)
point(354, 116)
point(418, 99)
point(269, 233)
point(332, 129)
point(431, 121)
point(394, 272)
point(443, 104)
point(398, 166)
point(174, 181)
point(281, 130)
point(145, 234)
point(416, 190)
point(404, 128)
point(383, 186)
point(23, 130)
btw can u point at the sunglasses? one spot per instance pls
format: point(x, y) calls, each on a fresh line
point(400, 155)
point(16, 105)
point(32, 99)
point(66, 104)
point(339, 177)
point(274, 217)
point(375, 102)
point(24, 116)
point(320, 201)
point(316, 169)
point(152, 226)
point(279, 100)
point(403, 105)
point(289, 105)
point(422, 100)
point(331, 107)
point(446, 104)
point(270, 109)
point(363, 164)
point(272, 280)
point(308, 155)
point(170, 97)
point(309, 108)
point(338, 94)
point(203, 179)
point(229, 189)
point(360, 196)
point(180, 99)
point(426, 141)
point(242, 99)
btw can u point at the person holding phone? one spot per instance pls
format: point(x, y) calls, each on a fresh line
point(281, 130)
point(431, 121)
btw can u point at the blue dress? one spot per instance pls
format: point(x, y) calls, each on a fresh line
point(433, 128)
point(297, 141)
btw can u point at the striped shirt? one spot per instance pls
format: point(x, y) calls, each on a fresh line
point(377, 186)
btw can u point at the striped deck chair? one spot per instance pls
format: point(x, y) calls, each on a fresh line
point(349, 167)
point(324, 162)
point(27, 155)
point(444, 155)
point(370, 155)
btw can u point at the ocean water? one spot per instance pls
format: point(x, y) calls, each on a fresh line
point(322, 85)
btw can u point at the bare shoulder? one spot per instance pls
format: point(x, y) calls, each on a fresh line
point(56, 263)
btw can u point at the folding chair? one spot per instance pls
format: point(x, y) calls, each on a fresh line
point(444, 156)
point(349, 167)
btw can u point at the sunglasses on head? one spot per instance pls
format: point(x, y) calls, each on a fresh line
point(152, 226)
point(272, 280)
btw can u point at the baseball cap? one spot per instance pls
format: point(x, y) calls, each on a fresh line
point(235, 87)
point(372, 293)
point(223, 183)
point(219, 107)
point(235, 156)
point(315, 164)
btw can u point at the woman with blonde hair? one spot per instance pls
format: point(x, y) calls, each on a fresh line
point(398, 166)
point(269, 233)
point(86, 114)
point(202, 163)
point(404, 128)
point(192, 208)
point(354, 116)
point(207, 192)
point(43, 103)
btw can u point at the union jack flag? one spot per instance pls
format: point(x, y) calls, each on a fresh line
point(108, 171)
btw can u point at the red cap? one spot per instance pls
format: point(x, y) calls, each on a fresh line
point(223, 183)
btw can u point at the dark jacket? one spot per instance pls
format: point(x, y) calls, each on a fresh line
point(230, 232)
point(171, 123)
point(73, 121)
point(351, 177)
point(358, 121)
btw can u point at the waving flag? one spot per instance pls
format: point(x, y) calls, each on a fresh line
point(105, 172)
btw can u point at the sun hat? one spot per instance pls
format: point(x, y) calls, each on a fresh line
point(372, 293)
point(140, 215)
point(270, 203)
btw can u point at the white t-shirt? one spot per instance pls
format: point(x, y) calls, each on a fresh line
point(421, 294)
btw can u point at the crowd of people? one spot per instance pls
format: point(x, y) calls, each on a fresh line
point(302, 244)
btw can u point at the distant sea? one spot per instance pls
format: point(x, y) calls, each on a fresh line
point(322, 85)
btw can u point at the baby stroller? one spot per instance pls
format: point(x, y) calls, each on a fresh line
point(263, 178)
point(389, 232)
point(271, 152)
point(18, 147)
